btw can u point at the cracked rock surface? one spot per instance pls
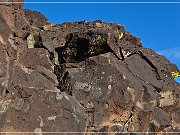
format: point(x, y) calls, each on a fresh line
point(81, 77)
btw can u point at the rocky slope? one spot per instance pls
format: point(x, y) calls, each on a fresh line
point(81, 77)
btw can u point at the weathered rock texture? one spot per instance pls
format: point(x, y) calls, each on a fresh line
point(80, 77)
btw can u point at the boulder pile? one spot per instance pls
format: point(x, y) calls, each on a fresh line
point(81, 77)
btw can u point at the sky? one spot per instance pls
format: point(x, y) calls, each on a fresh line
point(157, 24)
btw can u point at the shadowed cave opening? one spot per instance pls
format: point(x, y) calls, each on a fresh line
point(79, 49)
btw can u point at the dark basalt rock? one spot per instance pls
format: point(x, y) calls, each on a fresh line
point(36, 18)
point(81, 77)
point(32, 57)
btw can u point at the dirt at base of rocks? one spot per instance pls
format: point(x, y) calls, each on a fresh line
point(81, 77)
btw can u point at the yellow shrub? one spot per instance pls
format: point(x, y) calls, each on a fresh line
point(175, 74)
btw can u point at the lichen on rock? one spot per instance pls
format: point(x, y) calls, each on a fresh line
point(30, 41)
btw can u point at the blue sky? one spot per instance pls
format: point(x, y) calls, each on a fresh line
point(158, 25)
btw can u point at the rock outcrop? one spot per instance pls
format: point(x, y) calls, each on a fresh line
point(81, 77)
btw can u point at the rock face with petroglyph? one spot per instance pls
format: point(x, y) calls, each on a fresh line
point(81, 77)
